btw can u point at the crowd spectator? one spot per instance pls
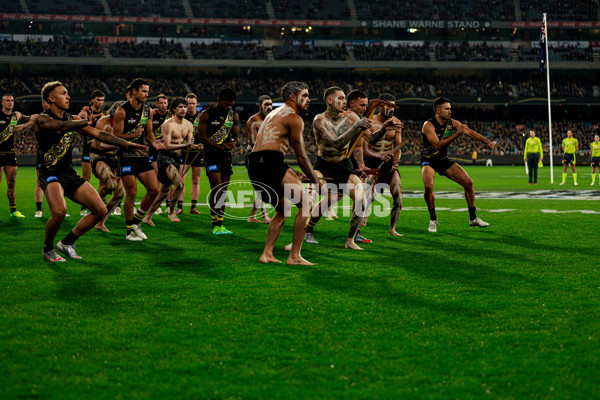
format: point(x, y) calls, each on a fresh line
point(162, 49)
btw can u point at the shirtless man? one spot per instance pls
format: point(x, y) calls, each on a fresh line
point(54, 133)
point(273, 179)
point(177, 134)
point(265, 106)
point(194, 160)
point(105, 166)
point(375, 154)
point(334, 130)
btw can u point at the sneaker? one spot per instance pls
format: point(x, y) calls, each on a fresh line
point(68, 250)
point(167, 210)
point(38, 214)
point(478, 222)
point(179, 211)
point(432, 226)
point(67, 215)
point(361, 239)
point(592, 184)
point(309, 237)
point(17, 214)
point(52, 256)
point(138, 231)
point(560, 184)
point(83, 213)
point(194, 211)
point(217, 231)
point(117, 211)
point(158, 211)
point(225, 230)
point(576, 184)
point(133, 237)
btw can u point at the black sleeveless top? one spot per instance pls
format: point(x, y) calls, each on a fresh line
point(157, 121)
point(220, 125)
point(135, 118)
point(8, 123)
point(428, 151)
point(55, 147)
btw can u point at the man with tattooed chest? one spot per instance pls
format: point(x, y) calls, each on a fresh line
point(334, 131)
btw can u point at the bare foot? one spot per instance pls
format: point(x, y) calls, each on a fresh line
point(173, 217)
point(253, 220)
point(288, 247)
point(351, 245)
point(266, 259)
point(101, 227)
point(266, 220)
point(298, 261)
point(148, 221)
point(328, 218)
point(394, 233)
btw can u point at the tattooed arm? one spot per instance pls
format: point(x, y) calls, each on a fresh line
point(325, 133)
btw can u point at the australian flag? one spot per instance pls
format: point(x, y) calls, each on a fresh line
point(543, 45)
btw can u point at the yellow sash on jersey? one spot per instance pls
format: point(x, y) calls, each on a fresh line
point(9, 130)
point(220, 135)
point(58, 150)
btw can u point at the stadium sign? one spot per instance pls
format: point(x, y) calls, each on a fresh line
point(424, 24)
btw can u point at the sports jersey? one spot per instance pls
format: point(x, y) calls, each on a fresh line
point(157, 121)
point(55, 147)
point(220, 124)
point(428, 151)
point(595, 149)
point(134, 119)
point(8, 123)
point(533, 145)
point(570, 144)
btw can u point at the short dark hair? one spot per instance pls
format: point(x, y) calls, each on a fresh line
point(355, 95)
point(177, 101)
point(162, 96)
point(97, 93)
point(48, 88)
point(191, 96)
point(292, 87)
point(330, 91)
point(439, 101)
point(387, 97)
point(227, 94)
point(263, 98)
point(137, 83)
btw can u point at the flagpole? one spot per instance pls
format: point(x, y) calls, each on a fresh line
point(549, 109)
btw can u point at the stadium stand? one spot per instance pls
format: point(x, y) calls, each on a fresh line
point(231, 9)
point(66, 7)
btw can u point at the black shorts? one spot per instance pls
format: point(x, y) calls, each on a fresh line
point(385, 173)
point(134, 165)
point(219, 162)
point(166, 158)
point(266, 170)
point(68, 179)
point(10, 160)
point(152, 154)
point(595, 161)
point(194, 158)
point(439, 165)
point(339, 172)
point(85, 151)
point(109, 159)
point(569, 159)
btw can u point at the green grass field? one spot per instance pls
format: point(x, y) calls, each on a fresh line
point(506, 312)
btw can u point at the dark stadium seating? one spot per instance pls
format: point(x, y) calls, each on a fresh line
point(311, 9)
point(10, 6)
point(565, 10)
point(164, 49)
point(307, 52)
point(231, 9)
point(68, 7)
point(391, 53)
point(231, 51)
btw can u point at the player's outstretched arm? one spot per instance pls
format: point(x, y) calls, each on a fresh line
point(477, 136)
point(342, 140)
point(429, 131)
